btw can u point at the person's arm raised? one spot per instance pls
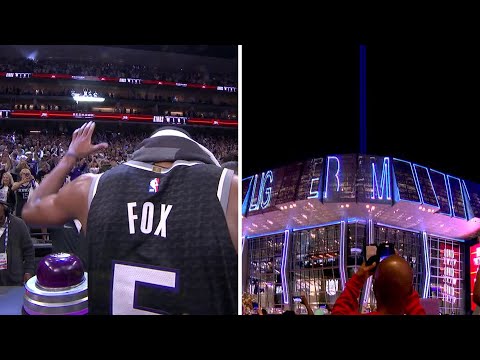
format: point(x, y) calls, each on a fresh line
point(49, 203)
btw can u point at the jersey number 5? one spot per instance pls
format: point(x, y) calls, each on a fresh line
point(127, 278)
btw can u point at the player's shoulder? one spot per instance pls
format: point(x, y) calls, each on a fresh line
point(82, 183)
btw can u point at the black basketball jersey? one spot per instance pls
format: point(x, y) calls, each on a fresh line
point(159, 241)
point(22, 196)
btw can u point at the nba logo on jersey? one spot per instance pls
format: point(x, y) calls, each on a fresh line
point(154, 185)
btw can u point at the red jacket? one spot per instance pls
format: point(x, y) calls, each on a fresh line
point(347, 302)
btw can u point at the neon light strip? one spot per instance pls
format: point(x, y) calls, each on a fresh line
point(370, 241)
point(343, 276)
point(114, 79)
point(283, 267)
point(316, 226)
point(314, 192)
point(384, 181)
point(355, 220)
point(253, 206)
point(246, 201)
point(212, 122)
point(417, 184)
point(448, 192)
point(268, 191)
point(336, 175)
point(461, 194)
point(113, 116)
point(414, 181)
point(466, 189)
point(426, 253)
point(429, 178)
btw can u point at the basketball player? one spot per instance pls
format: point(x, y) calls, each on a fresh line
point(161, 228)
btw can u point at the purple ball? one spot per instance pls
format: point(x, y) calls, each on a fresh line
point(60, 270)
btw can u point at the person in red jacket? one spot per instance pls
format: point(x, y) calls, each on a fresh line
point(392, 286)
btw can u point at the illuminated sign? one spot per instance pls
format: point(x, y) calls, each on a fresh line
point(4, 114)
point(332, 287)
point(175, 120)
point(19, 75)
point(130, 81)
point(456, 197)
point(170, 119)
point(450, 272)
point(230, 89)
point(333, 169)
point(379, 192)
point(474, 268)
point(314, 185)
point(352, 178)
point(262, 197)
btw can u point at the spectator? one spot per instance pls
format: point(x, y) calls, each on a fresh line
point(6, 193)
point(15, 241)
point(393, 288)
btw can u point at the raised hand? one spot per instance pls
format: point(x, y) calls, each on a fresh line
point(81, 145)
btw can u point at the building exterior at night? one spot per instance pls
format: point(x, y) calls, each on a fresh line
point(306, 225)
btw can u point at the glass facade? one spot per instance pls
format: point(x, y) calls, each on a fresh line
point(313, 266)
point(264, 270)
point(447, 274)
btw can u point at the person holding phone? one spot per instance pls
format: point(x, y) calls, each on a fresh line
point(22, 188)
point(392, 286)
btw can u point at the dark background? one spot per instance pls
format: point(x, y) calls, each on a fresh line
point(302, 100)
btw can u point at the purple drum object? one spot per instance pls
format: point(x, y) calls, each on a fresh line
point(59, 288)
point(60, 270)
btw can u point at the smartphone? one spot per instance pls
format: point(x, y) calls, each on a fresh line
point(297, 299)
point(255, 306)
point(385, 250)
point(371, 254)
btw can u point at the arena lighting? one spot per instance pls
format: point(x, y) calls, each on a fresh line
point(81, 98)
point(283, 266)
point(343, 276)
point(448, 192)
point(370, 241)
point(35, 131)
point(414, 181)
point(426, 253)
point(415, 166)
point(461, 194)
point(466, 190)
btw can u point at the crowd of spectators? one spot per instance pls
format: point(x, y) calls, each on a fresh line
point(86, 68)
point(40, 153)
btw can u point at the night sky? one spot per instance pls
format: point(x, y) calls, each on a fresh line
point(422, 101)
